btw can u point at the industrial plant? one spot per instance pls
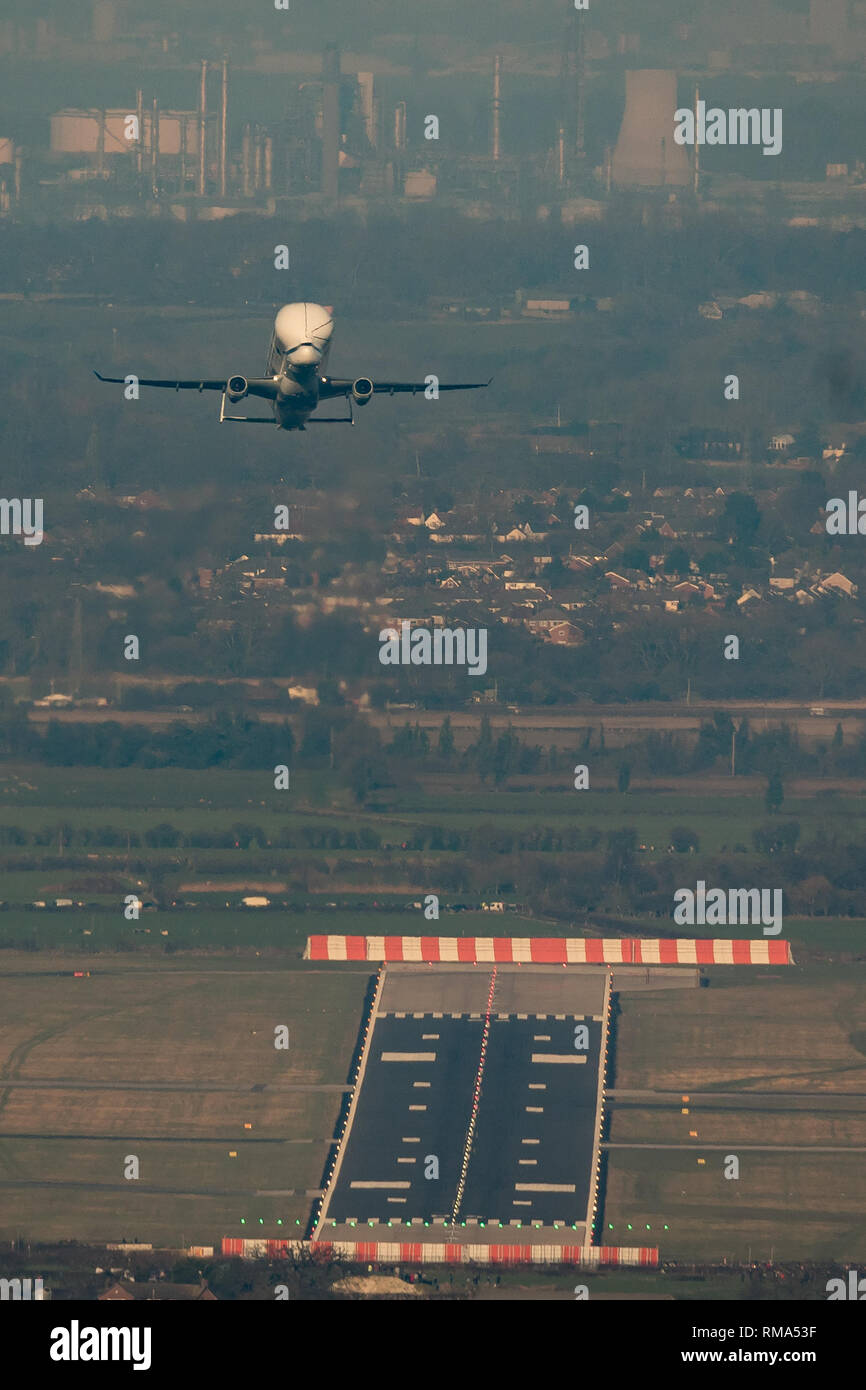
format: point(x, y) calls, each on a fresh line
point(250, 127)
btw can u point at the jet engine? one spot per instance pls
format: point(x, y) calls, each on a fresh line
point(236, 388)
point(362, 390)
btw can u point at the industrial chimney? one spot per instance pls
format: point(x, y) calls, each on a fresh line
point(497, 106)
point(202, 132)
point(331, 122)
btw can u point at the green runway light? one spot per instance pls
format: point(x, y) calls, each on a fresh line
point(629, 1225)
point(279, 1221)
point(667, 1228)
point(261, 1221)
point(610, 1225)
point(243, 1221)
point(649, 1228)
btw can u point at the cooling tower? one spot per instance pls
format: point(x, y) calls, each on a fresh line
point(646, 154)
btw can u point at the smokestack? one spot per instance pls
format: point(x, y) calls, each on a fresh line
point(646, 153)
point(245, 160)
point(331, 122)
point(202, 132)
point(139, 149)
point(101, 141)
point(497, 102)
point(368, 106)
point(154, 146)
point(560, 157)
point(257, 143)
point(224, 127)
point(400, 126)
point(580, 80)
point(269, 164)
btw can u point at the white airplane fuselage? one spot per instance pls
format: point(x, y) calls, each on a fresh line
point(299, 349)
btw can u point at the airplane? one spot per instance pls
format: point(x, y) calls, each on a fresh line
point(294, 380)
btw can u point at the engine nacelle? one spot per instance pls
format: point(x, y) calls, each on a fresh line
point(236, 388)
point(362, 390)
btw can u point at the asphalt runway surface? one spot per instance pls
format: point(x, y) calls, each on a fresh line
point(532, 1149)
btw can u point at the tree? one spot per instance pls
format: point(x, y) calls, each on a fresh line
point(445, 746)
point(775, 793)
point(741, 518)
point(677, 561)
point(483, 749)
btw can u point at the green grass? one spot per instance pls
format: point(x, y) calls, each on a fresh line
point(799, 1207)
point(63, 1150)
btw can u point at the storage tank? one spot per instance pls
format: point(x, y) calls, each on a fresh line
point(80, 132)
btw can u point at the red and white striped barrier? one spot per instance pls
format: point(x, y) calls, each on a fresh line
point(549, 950)
point(418, 1252)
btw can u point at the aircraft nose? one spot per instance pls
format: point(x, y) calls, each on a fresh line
point(304, 356)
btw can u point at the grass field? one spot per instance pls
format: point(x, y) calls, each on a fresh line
point(803, 1034)
point(788, 1207)
point(61, 803)
point(802, 1030)
point(168, 1065)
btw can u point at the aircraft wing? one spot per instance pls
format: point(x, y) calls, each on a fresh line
point(334, 386)
point(258, 385)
